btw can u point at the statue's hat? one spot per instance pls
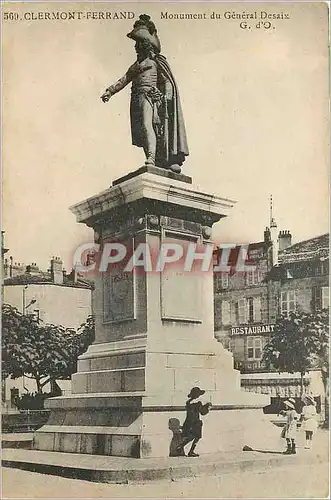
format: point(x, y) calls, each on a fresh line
point(144, 29)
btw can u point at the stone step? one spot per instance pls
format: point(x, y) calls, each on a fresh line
point(110, 380)
point(101, 400)
point(125, 470)
point(17, 440)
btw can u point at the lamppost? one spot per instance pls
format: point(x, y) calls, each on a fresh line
point(24, 307)
point(23, 299)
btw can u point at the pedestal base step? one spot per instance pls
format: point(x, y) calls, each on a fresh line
point(17, 440)
point(125, 470)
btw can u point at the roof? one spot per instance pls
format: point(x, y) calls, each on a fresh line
point(312, 249)
point(257, 244)
point(26, 279)
point(46, 279)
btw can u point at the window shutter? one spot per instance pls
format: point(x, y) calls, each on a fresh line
point(317, 299)
point(325, 297)
point(242, 309)
point(257, 309)
point(248, 316)
point(250, 348)
point(234, 313)
point(225, 308)
point(283, 303)
point(258, 348)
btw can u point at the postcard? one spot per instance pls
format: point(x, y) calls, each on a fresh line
point(165, 249)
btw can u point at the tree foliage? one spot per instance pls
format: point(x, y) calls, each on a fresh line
point(299, 343)
point(41, 352)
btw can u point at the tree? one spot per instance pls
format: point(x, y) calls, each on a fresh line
point(43, 353)
point(299, 343)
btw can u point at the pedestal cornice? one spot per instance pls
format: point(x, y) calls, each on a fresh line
point(154, 189)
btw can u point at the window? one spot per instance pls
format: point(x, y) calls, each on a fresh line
point(320, 298)
point(262, 275)
point(231, 345)
point(254, 348)
point(325, 297)
point(222, 281)
point(248, 310)
point(241, 309)
point(287, 302)
point(256, 309)
point(225, 312)
point(321, 268)
point(252, 277)
point(325, 267)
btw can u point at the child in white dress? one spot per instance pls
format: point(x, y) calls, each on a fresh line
point(309, 420)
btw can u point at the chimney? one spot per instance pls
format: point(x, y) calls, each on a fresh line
point(16, 268)
point(56, 270)
point(32, 268)
point(74, 274)
point(284, 240)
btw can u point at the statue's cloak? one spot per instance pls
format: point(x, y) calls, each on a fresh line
point(172, 143)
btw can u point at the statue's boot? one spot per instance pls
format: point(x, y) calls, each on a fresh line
point(175, 168)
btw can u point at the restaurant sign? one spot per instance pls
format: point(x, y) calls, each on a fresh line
point(252, 330)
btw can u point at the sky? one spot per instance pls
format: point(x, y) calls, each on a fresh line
point(255, 104)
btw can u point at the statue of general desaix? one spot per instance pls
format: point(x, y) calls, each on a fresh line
point(157, 123)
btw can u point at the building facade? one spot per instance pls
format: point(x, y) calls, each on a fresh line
point(53, 297)
point(241, 309)
point(244, 316)
point(285, 278)
point(300, 282)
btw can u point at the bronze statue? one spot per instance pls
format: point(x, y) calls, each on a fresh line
point(157, 123)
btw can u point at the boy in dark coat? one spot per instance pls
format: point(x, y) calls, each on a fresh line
point(192, 427)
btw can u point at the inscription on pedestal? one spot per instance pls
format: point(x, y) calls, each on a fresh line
point(119, 292)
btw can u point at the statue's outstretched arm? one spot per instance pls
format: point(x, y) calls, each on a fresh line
point(118, 86)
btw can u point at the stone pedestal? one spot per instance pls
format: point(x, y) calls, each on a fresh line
point(154, 332)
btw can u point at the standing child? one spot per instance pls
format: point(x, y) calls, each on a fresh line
point(290, 430)
point(309, 420)
point(192, 427)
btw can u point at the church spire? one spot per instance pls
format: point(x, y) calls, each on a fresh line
point(272, 219)
point(273, 235)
